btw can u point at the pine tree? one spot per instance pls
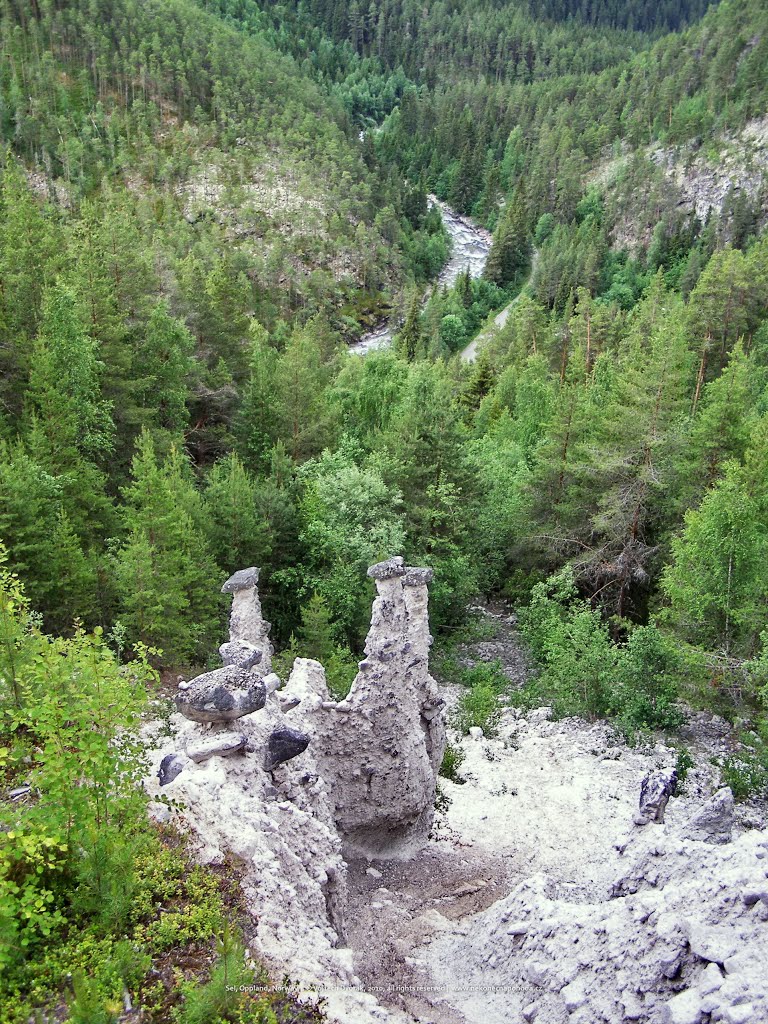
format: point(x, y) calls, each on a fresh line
point(164, 366)
point(43, 548)
point(238, 534)
point(723, 306)
point(317, 639)
point(635, 460)
point(301, 379)
point(721, 428)
point(64, 390)
point(409, 337)
point(510, 250)
point(716, 583)
point(166, 577)
point(257, 424)
point(27, 245)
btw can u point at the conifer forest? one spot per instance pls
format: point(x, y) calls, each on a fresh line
point(207, 210)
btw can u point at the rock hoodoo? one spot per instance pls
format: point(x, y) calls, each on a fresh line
point(241, 686)
point(380, 748)
point(302, 773)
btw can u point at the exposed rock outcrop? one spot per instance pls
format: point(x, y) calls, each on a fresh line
point(713, 823)
point(300, 767)
point(380, 748)
point(659, 928)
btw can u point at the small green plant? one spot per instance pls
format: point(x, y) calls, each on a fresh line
point(683, 764)
point(442, 800)
point(746, 772)
point(453, 758)
point(219, 997)
point(88, 1005)
point(485, 673)
point(479, 707)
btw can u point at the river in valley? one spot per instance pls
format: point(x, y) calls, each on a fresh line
point(470, 245)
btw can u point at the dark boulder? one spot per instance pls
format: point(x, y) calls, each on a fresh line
point(222, 695)
point(283, 744)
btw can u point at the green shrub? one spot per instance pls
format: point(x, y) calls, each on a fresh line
point(479, 706)
point(645, 688)
point(485, 673)
point(582, 671)
point(453, 758)
point(746, 772)
point(572, 645)
point(442, 800)
point(683, 764)
point(88, 1006)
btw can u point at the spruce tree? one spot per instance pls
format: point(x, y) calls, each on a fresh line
point(302, 375)
point(409, 337)
point(257, 423)
point(28, 243)
point(510, 250)
point(164, 368)
point(58, 571)
point(166, 578)
point(716, 582)
point(237, 531)
point(64, 390)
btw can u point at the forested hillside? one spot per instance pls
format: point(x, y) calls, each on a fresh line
point(190, 221)
point(202, 202)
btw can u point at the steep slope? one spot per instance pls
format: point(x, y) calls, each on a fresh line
point(202, 123)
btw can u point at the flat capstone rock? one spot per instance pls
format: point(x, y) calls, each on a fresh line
point(243, 579)
point(416, 576)
point(240, 653)
point(387, 570)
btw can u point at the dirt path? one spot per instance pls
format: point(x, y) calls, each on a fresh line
point(469, 354)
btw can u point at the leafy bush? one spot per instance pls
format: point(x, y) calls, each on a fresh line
point(646, 686)
point(683, 764)
point(582, 671)
point(453, 758)
point(746, 774)
point(74, 708)
point(746, 771)
point(572, 645)
point(479, 706)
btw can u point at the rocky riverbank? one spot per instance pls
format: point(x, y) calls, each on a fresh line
point(470, 245)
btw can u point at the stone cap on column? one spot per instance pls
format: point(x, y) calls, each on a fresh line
point(417, 576)
point(243, 579)
point(388, 570)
